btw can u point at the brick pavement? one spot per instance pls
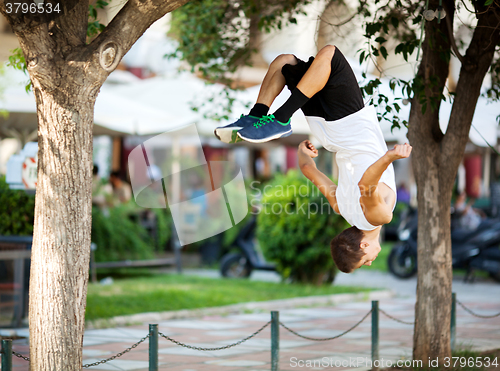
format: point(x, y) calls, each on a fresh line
point(354, 348)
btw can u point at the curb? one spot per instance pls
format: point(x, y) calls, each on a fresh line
point(308, 301)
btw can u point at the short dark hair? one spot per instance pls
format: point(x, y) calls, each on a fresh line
point(346, 250)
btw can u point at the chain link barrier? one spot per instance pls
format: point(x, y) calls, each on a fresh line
point(330, 338)
point(394, 318)
point(117, 355)
point(99, 362)
point(474, 314)
point(21, 356)
point(255, 334)
point(213, 349)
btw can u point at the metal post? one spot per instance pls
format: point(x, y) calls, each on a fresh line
point(375, 357)
point(453, 321)
point(275, 340)
point(153, 347)
point(7, 355)
point(93, 269)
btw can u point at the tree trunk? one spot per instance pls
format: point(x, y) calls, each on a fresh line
point(432, 310)
point(67, 74)
point(436, 157)
point(61, 238)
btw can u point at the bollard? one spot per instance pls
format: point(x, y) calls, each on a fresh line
point(375, 358)
point(153, 347)
point(6, 355)
point(275, 340)
point(453, 321)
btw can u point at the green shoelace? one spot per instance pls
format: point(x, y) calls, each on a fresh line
point(264, 120)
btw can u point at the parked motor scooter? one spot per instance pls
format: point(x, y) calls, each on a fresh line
point(241, 263)
point(471, 250)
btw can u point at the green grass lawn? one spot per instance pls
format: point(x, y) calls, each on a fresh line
point(160, 293)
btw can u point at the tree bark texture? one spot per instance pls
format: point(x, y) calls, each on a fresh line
point(66, 76)
point(435, 159)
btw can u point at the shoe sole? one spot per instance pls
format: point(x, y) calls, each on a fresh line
point(276, 136)
point(229, 135)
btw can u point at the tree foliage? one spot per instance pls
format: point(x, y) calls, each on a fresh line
point(216, 37)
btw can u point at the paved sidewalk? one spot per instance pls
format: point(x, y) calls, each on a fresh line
point(353, 349)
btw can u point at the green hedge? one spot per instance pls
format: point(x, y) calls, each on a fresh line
point(295, 227)
point(117, 235)
point(17, 209)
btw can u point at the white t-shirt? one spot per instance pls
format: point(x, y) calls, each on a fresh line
point(358, 141)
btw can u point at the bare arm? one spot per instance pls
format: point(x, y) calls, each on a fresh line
point(376, 210)
point(306, 153)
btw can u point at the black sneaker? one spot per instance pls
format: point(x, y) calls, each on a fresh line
point(266, 129)
point(228, 133)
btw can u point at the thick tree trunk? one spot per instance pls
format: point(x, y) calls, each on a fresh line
point(61, 240)
point(67, 74)
point(432, 310)
point(436, 157)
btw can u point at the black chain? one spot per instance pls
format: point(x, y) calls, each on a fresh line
point(394, 318)
point(117, 355)
point(477, 315)
point(21, 356)
point(102, 361)
point(331, 338)
point(213, 349)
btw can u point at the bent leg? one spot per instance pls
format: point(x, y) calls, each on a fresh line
point(274, 81)
point(318, 74)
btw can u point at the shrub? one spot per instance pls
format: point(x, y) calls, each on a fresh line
point(17, 211)
point(118, 236)
point(295, 227)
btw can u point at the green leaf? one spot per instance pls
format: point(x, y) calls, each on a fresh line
point(395, 22)
point(384, 52)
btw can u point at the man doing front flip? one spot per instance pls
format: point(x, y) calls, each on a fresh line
point(326, 90)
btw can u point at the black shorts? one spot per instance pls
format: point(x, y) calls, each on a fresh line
point(341, 95)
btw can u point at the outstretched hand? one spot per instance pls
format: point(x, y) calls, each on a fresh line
point(307, 147)
point(399, 151)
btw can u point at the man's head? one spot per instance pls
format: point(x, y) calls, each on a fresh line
point(114, 179)
point(352, 248)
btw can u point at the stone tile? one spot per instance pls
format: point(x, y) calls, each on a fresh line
point(202, 325)
point(197, 353)
point(120, 333)
point(265, 317)
point(95, 352)
point(236, 363)
point(266, 343)
point(118, 364)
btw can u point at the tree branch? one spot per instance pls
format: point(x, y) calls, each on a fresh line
point(66, 27)
point(449, 26)
point(478, 60)
point(125, 28)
